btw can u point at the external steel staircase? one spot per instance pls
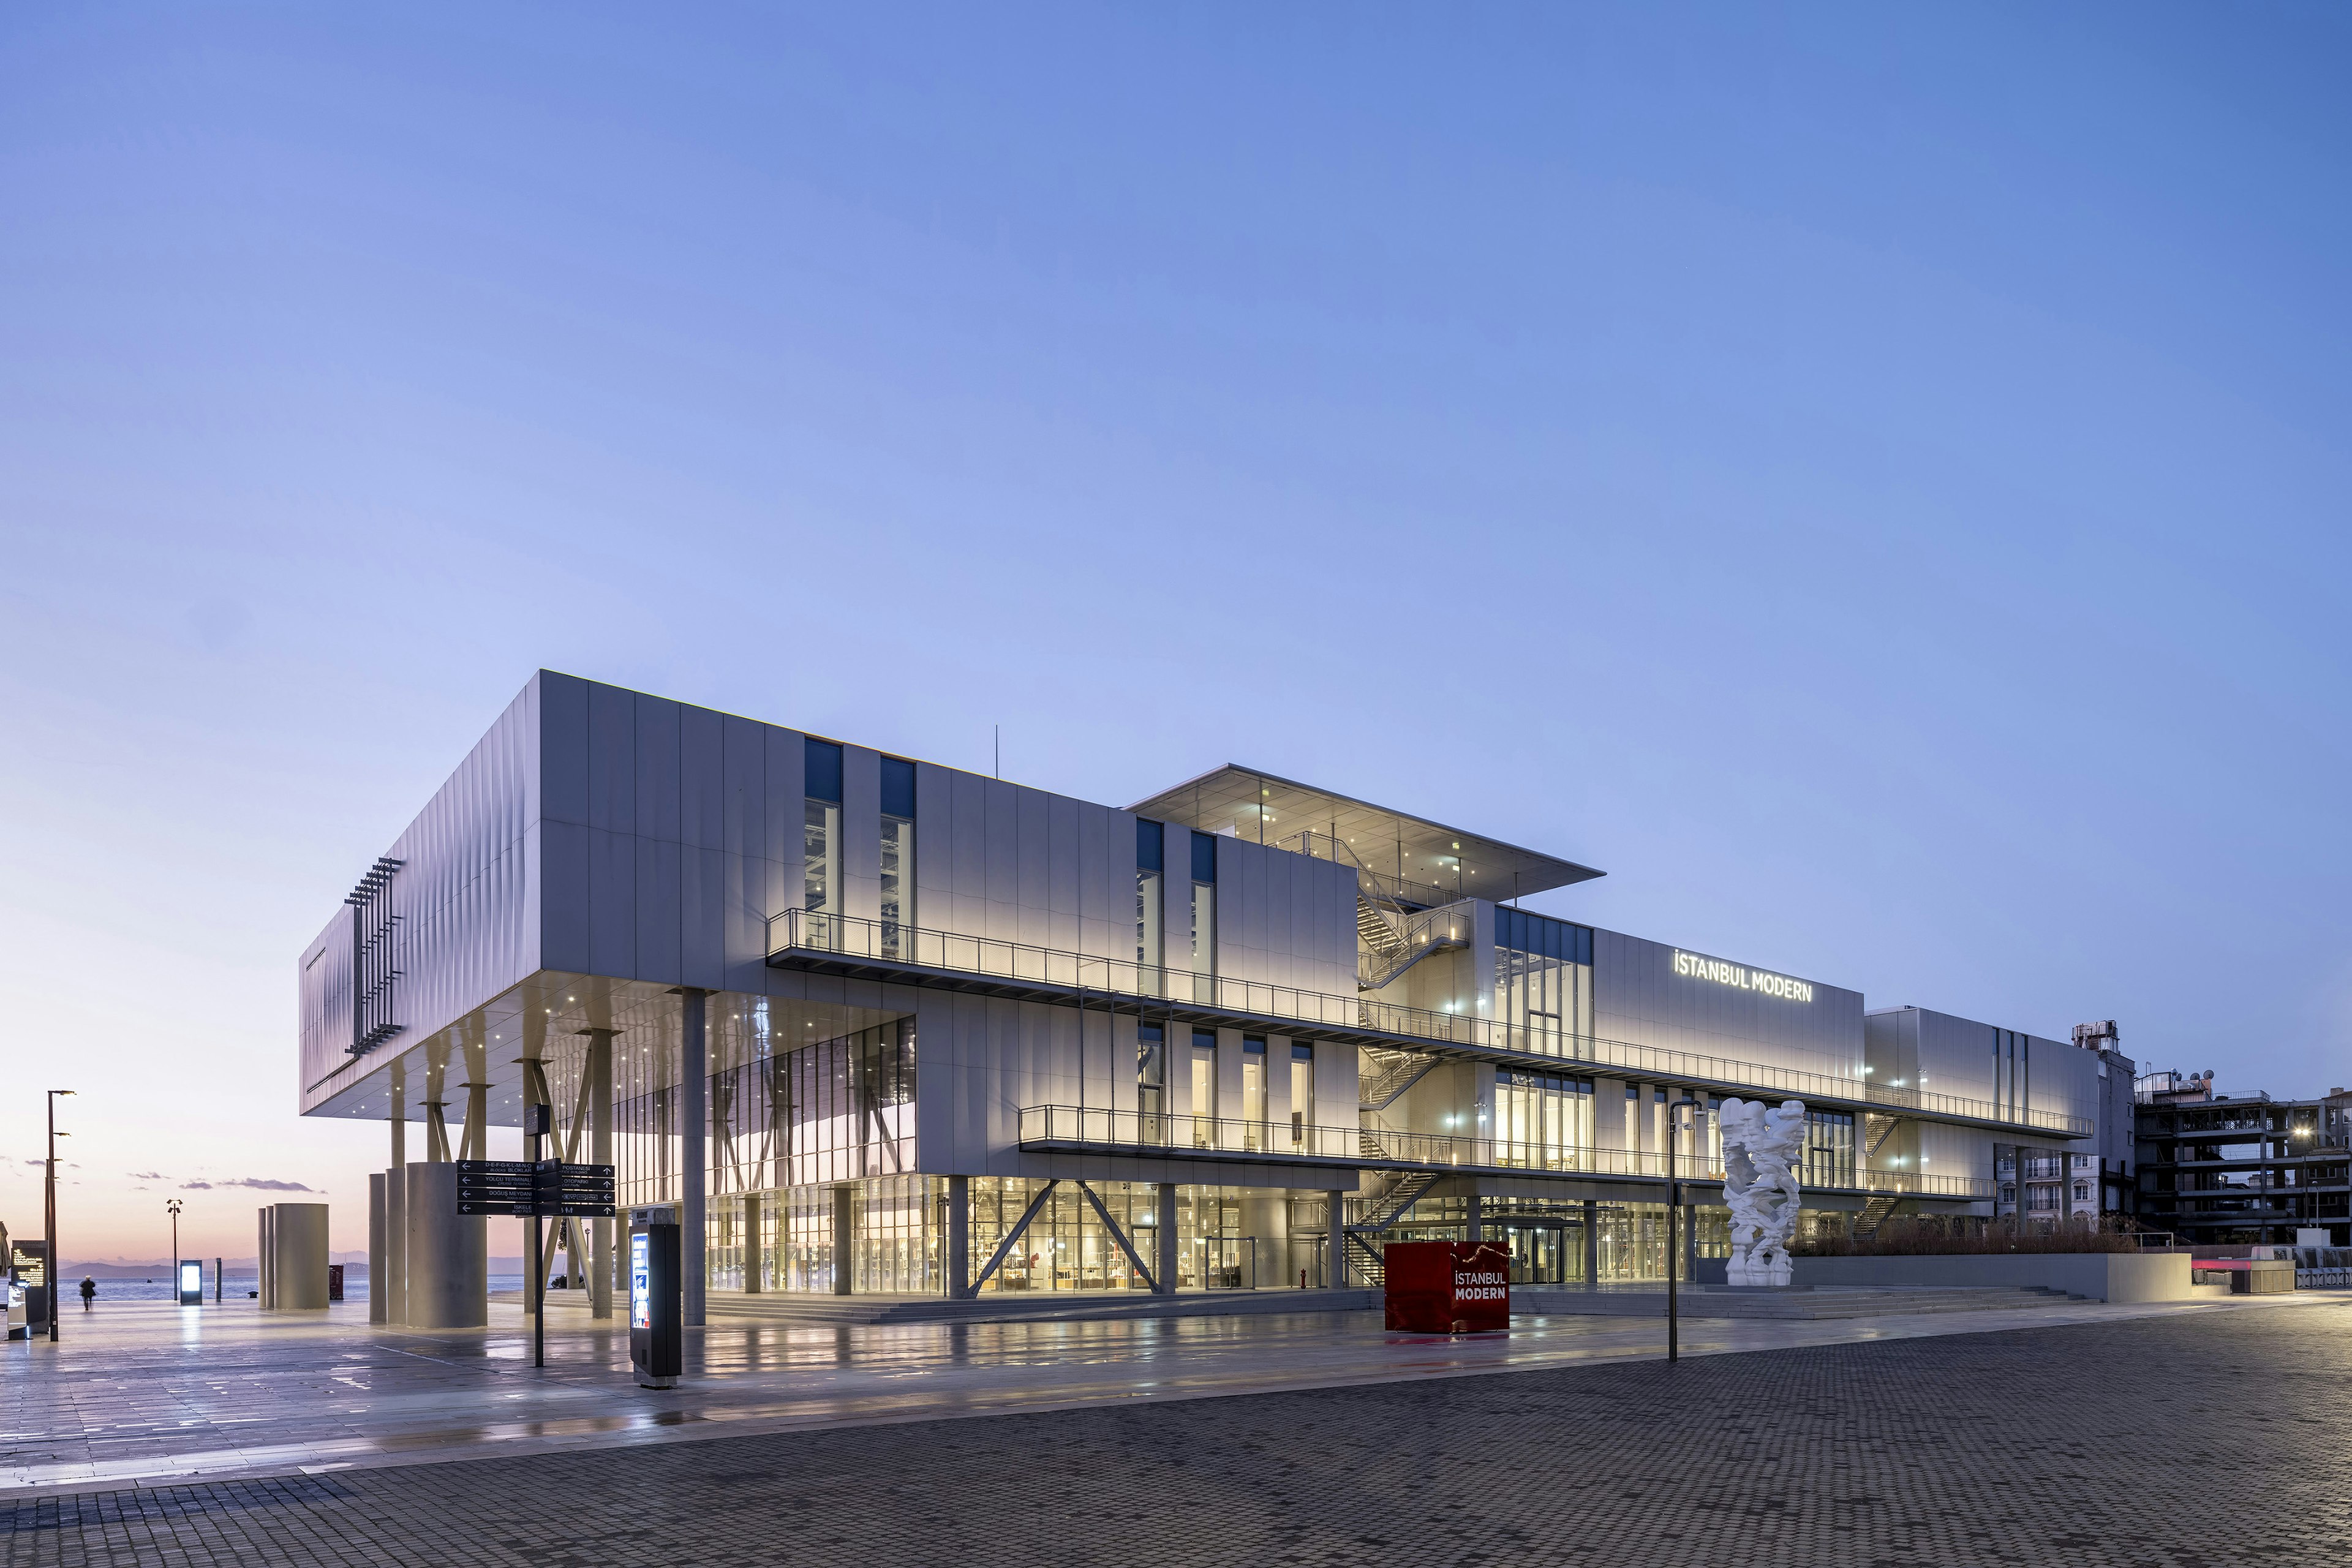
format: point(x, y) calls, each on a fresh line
point(1398, 1071)
point(1384, 1208)
point(1876, 1129)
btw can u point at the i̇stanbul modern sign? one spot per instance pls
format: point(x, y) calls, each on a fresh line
point(1733, 975)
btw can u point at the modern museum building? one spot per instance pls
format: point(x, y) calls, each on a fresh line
point(876, 1024)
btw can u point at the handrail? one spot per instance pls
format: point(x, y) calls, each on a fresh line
point(1421, 933)
point(1397, 889)
point(1187, 1136)
point(851, 936)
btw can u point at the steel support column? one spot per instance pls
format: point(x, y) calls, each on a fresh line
point(1164, 1278)
point(844, 1240)
point(599, 1070)
point(693, 1070)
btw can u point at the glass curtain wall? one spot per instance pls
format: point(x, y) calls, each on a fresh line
point(1067, 1248)
point(838, 1111)
point(821, 840)
point(1543, 981)
point(1829, 1149)
point(898, 854)
point(1150, 1076)
point(1543, 1120)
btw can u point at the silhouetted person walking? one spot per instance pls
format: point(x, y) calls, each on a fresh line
point(89, 1291)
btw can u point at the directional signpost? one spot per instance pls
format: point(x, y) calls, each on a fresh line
point(535, 1189)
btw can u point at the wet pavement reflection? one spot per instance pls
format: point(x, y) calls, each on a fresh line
point(146, 1393)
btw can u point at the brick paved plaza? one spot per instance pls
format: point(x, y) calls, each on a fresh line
point(2201, 1439)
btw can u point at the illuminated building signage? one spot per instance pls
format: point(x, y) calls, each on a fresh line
point(1733, 975)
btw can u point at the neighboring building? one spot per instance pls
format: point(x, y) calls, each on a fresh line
point(876, 1022)
point(2234, 1170)
point(2099, 1179)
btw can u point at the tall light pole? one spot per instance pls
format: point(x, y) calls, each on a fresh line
point(49, 1210)
point(1674, 1211)
point(174, 1205)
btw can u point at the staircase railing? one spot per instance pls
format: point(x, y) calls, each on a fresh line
point(1423, 931)
point(1391, 886)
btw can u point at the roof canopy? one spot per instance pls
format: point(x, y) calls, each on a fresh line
point(1426, 860)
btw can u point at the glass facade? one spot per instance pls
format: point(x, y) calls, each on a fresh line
point(834, 1111)
point(1151, 1075)
point(1541, 1120)
point(1543, 981)
point(1302, 1090)
point(1829, 1149)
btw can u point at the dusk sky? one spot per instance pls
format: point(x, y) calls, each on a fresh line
point(1872, 480)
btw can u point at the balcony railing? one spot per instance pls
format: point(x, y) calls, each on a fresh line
point(799, 931)
point(1356, 1148)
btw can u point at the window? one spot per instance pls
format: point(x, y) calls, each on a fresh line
point(821, 842)
point(1253, 1089)
point(1543, 980)
point(2082, 1192)
point(2008, 1193)
point(1302, 1091)
point(1204, 904)
point(2041, 1199)
point(897, 856)
point(1829, 1149)
point(1149, 848)
point(1541, 1120)
point(1205, 1086)
point(1150, 1076)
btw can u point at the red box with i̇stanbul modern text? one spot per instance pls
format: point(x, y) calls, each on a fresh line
point(1447, 1287)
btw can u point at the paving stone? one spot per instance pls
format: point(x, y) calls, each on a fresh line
point(2197, 1440)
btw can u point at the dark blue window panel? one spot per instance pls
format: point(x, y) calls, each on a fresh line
point(1204, 857)
point(1543, 936)
point(1301, 1051)
point(1147, 1032)
point(824, 766)
point(1151, 840)
point(1204, 1039)
point(898, 788)
point(1252, 1045)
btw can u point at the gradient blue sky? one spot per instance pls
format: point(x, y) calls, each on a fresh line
point(1872, 479)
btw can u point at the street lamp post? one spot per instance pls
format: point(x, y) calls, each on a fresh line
point(49, 1210)
point(1673, 1211)
point(173, 1206)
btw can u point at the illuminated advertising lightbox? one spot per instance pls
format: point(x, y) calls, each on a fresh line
point(641, 1289)
point(192, 1282)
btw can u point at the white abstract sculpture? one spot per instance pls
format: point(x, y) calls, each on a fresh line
point(1761, 1147)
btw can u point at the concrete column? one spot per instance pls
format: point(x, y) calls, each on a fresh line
point(395, 1245)
point(844, 1240)
point(959, 1235)
point(1335, 1268)
point(297, 1267)
point(1164, 1269)
point(399, 1115)
point(474, 1142)
point(599, 1069)
point(1477, 1211)
point(1592, 1244)
point(751, 1242)
point(379, 1286)
point(260, 1266)
point(694, 1067)
point(448, 1254)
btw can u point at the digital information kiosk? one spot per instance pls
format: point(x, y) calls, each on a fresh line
point(192, 1282)
point(656, 1301)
